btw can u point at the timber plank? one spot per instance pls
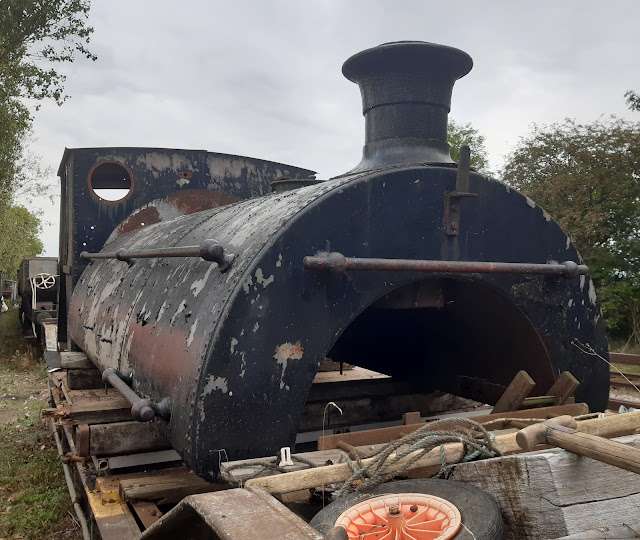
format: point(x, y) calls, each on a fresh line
point(383, 435)
point(624, 358)
point(147, 512)
point(555, 493)
point(519, 388)
point(170, 486)
point(82, 379)
point(564, 386)
point(125, 438)
point(102, 412)
point(75, 360)
point(379, 409)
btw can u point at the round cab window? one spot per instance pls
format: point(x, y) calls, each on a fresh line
point(111, 182)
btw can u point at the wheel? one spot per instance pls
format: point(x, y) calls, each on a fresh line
point(390, 508)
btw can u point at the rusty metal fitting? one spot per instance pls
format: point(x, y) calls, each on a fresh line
point(394, 510)
point(142, 409)
point(210, 250)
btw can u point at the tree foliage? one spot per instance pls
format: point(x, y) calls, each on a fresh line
point(20, 229)
point(35, 37)
point(633, 100)
point(587, 176)
point(460, 134)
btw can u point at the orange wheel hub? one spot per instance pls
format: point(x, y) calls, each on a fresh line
point(402, 516)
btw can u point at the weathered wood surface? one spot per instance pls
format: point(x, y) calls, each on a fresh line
point(623, 358)
point(83, 379)
point(75, 360)
point(519, 388)
point(122, 438)
point(117, 409)
point(167, 486)
point(612, 532)
point(554, 493)
point(148, 513)
point(381, 435)
point(378, 408)
point(564, 386)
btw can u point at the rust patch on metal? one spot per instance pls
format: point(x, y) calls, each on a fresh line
point(196, 200)
point(146, 216)
point(289, 351)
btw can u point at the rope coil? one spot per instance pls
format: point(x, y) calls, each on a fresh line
point(476, 443)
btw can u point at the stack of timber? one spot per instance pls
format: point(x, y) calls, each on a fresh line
point(125, 478)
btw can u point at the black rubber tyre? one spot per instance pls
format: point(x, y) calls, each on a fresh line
point(480, 512)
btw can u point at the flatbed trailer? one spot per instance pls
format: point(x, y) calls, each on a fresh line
point(126, 482)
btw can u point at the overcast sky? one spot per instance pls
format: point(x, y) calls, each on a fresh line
point(263, 78)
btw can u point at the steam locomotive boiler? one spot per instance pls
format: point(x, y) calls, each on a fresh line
point(410, 265)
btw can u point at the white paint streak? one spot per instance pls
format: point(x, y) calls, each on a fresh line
point(192, 332)
point(246, 286)
point(198, 285)
point(178, 311)
point(592, 293)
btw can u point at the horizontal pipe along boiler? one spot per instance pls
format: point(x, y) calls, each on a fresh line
point(234, 350)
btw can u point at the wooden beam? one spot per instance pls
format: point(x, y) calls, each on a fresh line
point(383, 435)
point(119, 438)
point(84, 379)
point(168, 486)
point(564, 386)
point(102, 412)
point(615, 403)
point(147, 512)
point(555, 493)
point(624, 358)
point(519, 388)
point(381, 408)
point(75, 360)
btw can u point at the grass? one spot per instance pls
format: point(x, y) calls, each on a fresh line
point(34, 502)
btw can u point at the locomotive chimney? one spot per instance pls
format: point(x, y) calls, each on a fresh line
point(406, 97)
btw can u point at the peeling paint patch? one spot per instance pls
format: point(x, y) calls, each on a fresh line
point(546, 215)
point(215, 383)
point(198, 285)
point(592, 293)
point(568, 242)
point(284, 353)
point(182, 182)
point(255, 327)
point(246, 286)
point(192, 332)
point(234, 342)
point(530, 202)
point(570, 302)
point(261, 280)
point(279, 261)
point(582, 281)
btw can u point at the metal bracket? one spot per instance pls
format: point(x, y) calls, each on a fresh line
point(452, 199)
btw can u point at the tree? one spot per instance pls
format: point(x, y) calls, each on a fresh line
point(35, 36)
point(587, 176)
point(20, 229)
point(633, 100)
point(461, 134)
